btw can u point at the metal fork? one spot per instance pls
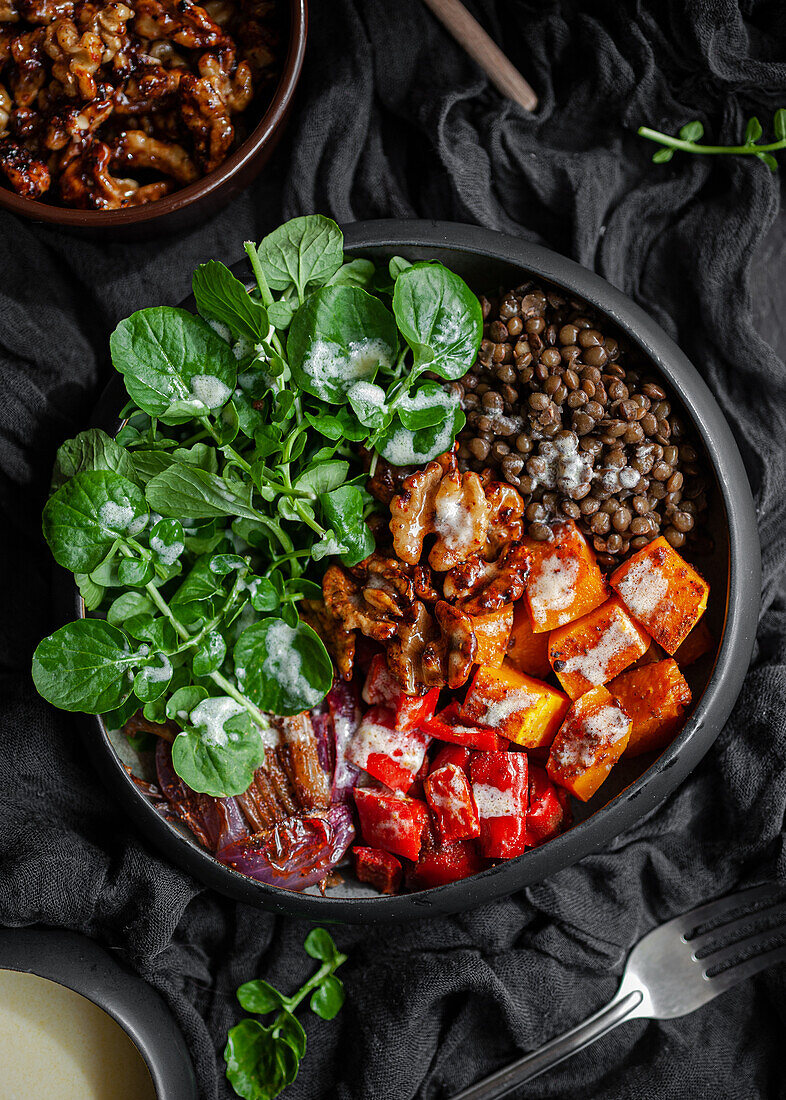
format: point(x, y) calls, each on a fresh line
point(675, 969)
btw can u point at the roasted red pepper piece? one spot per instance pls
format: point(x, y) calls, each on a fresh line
point(380, 869)
point(391, 822)
point(414, 710)
point(501, 793)
point(382, 687)
point(449, 796)
point(392, 756)
point(448, 726)
point(452, 754)
point(446, 864)
point(546, 816)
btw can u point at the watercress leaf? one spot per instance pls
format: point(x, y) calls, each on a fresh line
point(227, 425)
point(439, 317)
point(83, 666)
point(396, 265)
point(402, 447)
point(116, 719)
point(341, 335)
point(264, 597)
point(209, 655)
point(353, 273)
point(127, 605)
point(284, 406)
point(324, 477)
point(174, 365)
point(319, 944)
point(149, 463)
point(138, 626)
point(301, 252)
point(430, 404)
point(290, 1031)
point(289, 615)
point(753, 131)
point(90, 450)
point(328, 998)
point(295, 510)
point(91, 591)
point(203, 455)
point(221, 297)
point(260, 996)
point(201, 583)
point(343, 509)
point(213, 760)
point(692, 131)
point(368, 402)
point(223, 564)
point(188, 491)
point(249, 418)
point(280, 315)
point(267, 440)
point(167, 540)
point(153, 678)
point(662, 156)
point(769, 160)
point(328, 546)
point(87, 514)
point(258, 1066)
point(283, 669)
point(327, 425)
point(779, 123)
point(134, 572)
point(302, 588)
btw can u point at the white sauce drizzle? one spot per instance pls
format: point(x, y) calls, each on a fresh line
point(209, 717)
point(492, 802)
point(642, 588)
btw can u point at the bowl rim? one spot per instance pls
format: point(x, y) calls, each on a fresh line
point(276, 112)
point(706, 721)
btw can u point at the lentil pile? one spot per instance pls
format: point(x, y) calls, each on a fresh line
point(571, 417)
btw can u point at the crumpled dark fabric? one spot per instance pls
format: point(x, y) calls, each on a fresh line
point(393, 120)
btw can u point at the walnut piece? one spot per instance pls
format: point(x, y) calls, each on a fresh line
point(345, 601)
point(479, 586)
point(433, 651)
point(28, 177)
point(339, 642)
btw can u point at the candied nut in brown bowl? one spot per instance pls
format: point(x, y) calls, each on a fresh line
point(144, 117)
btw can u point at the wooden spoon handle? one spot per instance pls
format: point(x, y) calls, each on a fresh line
point(484, 50)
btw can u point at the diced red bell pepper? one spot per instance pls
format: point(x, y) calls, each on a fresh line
point(414, 710)
point(546, 816)
point(392, 756)
point(381, 687)
point(446, 864)
point(380, 869)
point(452, 754)
point(391, 822)
point(501, 793)
point(449, 796)
point(449, 726)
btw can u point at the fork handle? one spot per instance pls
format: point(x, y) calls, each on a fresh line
point(556, 1050)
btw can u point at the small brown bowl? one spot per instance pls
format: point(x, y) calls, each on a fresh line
point(198, 200)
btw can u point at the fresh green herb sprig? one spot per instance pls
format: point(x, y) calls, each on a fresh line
point(262, 1061)
point(689, 141)
point(196, 532)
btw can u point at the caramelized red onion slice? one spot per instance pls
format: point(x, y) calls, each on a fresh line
point(215, 822)
point(342, 702)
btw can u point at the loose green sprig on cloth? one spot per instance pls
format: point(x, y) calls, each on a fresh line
point(262, 1061)
point(195, 533)
point(689, 141)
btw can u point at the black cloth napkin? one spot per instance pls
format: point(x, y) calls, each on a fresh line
point(393, 120)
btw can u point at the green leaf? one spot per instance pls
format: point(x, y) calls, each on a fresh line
point(328, 998)
point(662, 156)
point(188, 491)
point(260, 996)
point(291, 1031)
point(84, 666)
point(209, 655)
point(87, 514)
point(212, 760)
point(368, 402)
point(324, 477)
point(259, 1067)
point(343, 509)
point(753, 131)
point(301, 252)
point(90, 450)
point(222, 297)
point(769, 160)
point(319, 944)
point(175, 366)
point(135, 573)
point(354, 273)
point(439, 317)
point(127, 605)
point(116, 719)
point(692, 131)
point(182, 702)
point(341, 335)
point(154, 678)
point(284, 670)
point(91, 591)
point(396, 265)
point(280, 315)
point(779, 123)
point(402, 447)
point(430, 404)
point(167, 540)
point(200, 584)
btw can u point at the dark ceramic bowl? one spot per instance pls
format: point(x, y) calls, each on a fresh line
point(487, 261)
point(198, 200)
point(80, 964)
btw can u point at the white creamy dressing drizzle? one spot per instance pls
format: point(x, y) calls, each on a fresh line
point(209, 717)
point(553, 588)
point(447, 786)
point(400, 449)
point(498, 711)
point(596, 733)
point(642, 588)
point(117, 517)
point(492, 802)
point(451, 519)
point(168, 555)
point(328, 362)
point(405, 748)
point(595, 664)
point(282, 661)
point(157, 674)
point(566, 466)
point(209, 391)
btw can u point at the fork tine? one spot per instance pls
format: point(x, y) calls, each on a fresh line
point(736, 974)
point(730, 952)
point(722, 906)
point(724, 931)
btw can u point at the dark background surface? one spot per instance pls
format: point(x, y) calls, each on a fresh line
point(393, 121)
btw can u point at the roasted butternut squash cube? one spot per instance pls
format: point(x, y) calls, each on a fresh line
point(655, 697)
point(665, 594)
point(654, 654)
point(565, 581)
point(522, 709)
point(596, 648)
point(492, 630)
point(589, 743)
point(528, 651)
point(698, 642)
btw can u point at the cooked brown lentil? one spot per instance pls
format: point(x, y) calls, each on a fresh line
point(569, 415)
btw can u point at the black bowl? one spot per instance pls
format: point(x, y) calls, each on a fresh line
point(488, 260)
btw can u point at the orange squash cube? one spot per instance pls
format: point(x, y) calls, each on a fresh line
point(654, 654)
point(492, 630)
point(596, 648)
point(528, 651)
point(698, 642)
point(589, 743)
point(655, 697)
point(565, 581)
point(665, 594)
point(520, 708)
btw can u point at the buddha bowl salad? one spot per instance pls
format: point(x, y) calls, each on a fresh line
point(289, 579)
